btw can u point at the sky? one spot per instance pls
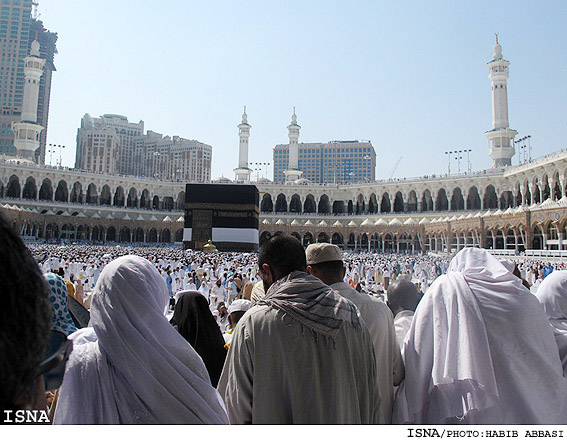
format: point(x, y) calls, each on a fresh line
point(410, 76)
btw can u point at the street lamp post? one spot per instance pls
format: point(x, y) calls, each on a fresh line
point(449, 162)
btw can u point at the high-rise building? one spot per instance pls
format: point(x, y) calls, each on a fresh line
point(172, 158)
point(98, 147)
point(17, 31)
point(110, 144)
point(334, 162)
point(126, 131)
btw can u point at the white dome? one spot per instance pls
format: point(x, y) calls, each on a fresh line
point(302, 181)
point(222, 180)
point(410, 221)
point(380, 222)
point(294, 223)
point(395, 222)
point(337, 224)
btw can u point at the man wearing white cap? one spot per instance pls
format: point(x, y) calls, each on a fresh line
point(302, 354)
point(235, 312)
point(324, 261)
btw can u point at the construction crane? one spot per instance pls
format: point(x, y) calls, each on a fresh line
point(396, 166)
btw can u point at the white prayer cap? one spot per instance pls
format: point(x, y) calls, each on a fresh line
point(239, 305)
point(322, 252)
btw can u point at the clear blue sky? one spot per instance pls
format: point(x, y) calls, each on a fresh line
point(409, 76)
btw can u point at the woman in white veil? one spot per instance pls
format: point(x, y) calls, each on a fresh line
point(131, 366)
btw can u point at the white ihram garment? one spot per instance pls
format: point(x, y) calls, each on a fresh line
point(480, 351)
point(552, 293)
point(132, 366)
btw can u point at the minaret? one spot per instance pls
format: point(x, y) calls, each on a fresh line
point(293, 173)
point(243, 171)
point(501, 136)
point(27, 131)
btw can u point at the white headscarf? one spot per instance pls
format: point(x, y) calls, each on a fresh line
point(132, 366)
point(552, 293)
point(480, 350)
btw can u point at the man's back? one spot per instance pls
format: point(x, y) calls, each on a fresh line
point(280, 372)
point(379, 320)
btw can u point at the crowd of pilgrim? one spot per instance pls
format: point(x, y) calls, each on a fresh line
point(121, 335)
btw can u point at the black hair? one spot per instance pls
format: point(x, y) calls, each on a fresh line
point(331, 269)
point(284, 254)
point(25, 314)
point(402, 294)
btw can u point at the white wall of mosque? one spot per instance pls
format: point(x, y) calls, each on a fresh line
point(522, 207)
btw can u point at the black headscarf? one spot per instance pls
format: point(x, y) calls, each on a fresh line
point(195, 322)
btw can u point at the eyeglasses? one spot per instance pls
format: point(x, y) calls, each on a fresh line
point(53, 367)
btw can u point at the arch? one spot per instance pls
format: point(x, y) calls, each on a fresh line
point(105, 196)
point(166, 235)
point(537, 241)
point(308, 239)
point(13, 188)
point(297, 236)
point(295, 204)
point(145, 199)
point(168, 203)
point(138, 235)
point(372, 204)
point(125, 235)
point(267, 206)
point(46, 190)
point(264, 237)
point(76, 193)
point(180, 202)
point(96, 234)
point(360, 206)
point(132, 200)
point(338, 207)
point(309, 205)
point(350, 207)
point(385, 206)
point(399, 203)
point(337, 239)
point(324, 206)
point(473, 199)
point(490, 200)
point(155, 202)
point(351, 241)
point(441, 203)
point(427, 201)
point(323, 237)
point(30, 189)
point(411, 205)
point(457, 200)
point(51, 231)
point(2, 189)
point(179, 234)
point(92, 195)
point(62, 193)
point(81, 232)
point(111, 234)
point(281, 203)
point(152, 235)
point(506, 200)
point(119, 197)
point(499, 240)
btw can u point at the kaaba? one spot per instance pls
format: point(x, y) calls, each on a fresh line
point(226, 214)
